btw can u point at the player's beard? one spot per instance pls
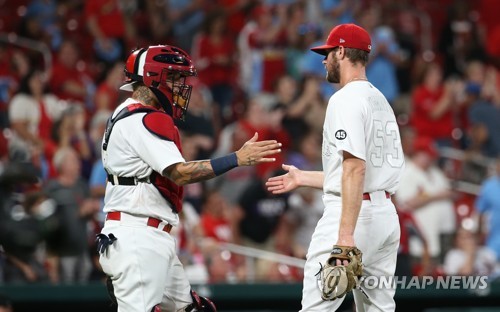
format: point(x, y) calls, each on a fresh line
point(333, 75)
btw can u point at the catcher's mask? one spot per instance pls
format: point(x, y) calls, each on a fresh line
point(165, 70)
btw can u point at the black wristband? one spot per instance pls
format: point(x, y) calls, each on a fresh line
point(223, 164)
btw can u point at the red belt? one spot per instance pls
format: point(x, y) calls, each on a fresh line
point(366, 196)
point(116, 216)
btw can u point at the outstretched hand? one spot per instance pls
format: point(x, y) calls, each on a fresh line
point(286, 182)
point(255, 152)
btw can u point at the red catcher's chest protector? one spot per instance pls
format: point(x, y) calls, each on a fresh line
point(161, 125)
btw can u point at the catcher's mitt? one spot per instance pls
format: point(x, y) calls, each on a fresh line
point(335, 281)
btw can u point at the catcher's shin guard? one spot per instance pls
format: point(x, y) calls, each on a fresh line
point(111, 291)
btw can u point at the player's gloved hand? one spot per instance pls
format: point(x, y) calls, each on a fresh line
point(104, 241)
point(334, 281)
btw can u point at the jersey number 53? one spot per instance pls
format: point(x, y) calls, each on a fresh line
point(387, 143)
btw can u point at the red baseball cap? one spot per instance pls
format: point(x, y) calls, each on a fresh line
point(348, 36)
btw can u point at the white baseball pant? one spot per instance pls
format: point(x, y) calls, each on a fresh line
point(376, 235)
point(144, 267)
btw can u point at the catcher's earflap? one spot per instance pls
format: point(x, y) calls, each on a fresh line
point(134, 69)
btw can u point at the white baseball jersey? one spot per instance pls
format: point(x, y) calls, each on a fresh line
point(359, 120)
point(142, 262)
point(133, 151)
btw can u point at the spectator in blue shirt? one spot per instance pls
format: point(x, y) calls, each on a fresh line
point(98, 176)
point(488, 202)
point(381, 70)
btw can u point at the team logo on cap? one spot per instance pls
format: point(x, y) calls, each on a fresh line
point(342, 40)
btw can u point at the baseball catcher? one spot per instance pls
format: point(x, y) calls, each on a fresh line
point(142, 155)
point(334, 279)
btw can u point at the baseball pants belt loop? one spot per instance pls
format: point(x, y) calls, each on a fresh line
point(366, 196)
point(153, 222)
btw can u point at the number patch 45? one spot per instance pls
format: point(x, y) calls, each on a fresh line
point(340, 134)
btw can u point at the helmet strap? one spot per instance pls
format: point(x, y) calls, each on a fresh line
point(164, 101)
point(134, 77)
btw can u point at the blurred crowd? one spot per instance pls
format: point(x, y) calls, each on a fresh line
point(437, 62)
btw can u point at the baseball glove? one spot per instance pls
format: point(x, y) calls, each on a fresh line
point(334, 281)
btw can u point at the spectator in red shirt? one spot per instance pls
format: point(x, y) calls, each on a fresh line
point(32, 112)
point(405, 265)
point(433, 105)
point(261, 45)
point(13, 66)
point(215, 217)
point(493, 45)
point(107, 94)
point(4, 149)
point(215, 220)
point(265, 115)
point(68, 79)
point(69, 131)
point(237, 12)
point(107, 24)
point(213, 51)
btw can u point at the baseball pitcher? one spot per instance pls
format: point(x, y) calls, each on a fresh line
point(358, 234)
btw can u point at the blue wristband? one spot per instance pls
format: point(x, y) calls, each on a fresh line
point(223, 164)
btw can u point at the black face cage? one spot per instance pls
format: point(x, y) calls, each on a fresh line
point(175, 82)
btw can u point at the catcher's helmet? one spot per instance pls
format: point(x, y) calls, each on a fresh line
point(164, 69)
